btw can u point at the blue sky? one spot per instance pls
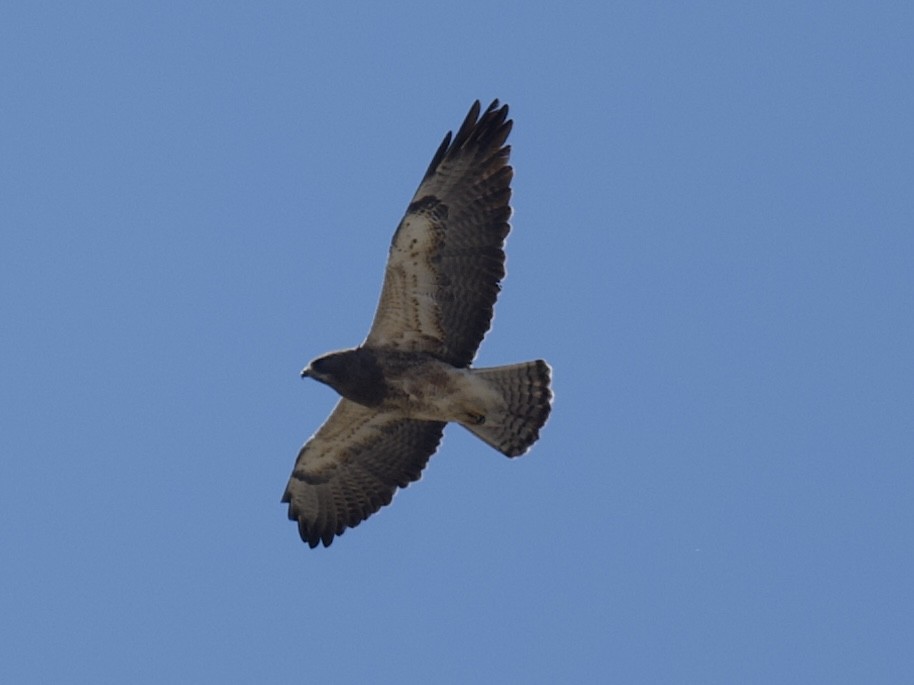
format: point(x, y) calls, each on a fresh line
point(712, 246)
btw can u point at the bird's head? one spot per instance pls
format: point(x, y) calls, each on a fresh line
point(327, 368)
point(354, 374)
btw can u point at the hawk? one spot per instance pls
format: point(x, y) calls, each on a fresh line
point(412, 374)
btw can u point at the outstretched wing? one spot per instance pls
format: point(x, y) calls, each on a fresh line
point(352, 466)
point(447, 256)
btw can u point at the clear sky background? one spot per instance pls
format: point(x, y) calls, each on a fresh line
point(712, 245)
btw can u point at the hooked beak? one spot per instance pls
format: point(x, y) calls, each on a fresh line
point(305, 372)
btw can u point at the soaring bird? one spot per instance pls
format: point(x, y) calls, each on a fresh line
point(412, 374)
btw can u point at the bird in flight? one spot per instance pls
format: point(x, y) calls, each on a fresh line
point(412, 374)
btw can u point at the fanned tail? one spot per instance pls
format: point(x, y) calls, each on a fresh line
point(525, 388)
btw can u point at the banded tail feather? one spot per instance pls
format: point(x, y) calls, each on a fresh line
point(526, 390)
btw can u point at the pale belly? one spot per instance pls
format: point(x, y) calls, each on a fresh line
point(435, 391)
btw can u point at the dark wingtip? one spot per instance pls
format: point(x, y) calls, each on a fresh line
point(492, 128)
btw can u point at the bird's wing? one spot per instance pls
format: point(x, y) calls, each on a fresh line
point(447, 256)
point(352, 466)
